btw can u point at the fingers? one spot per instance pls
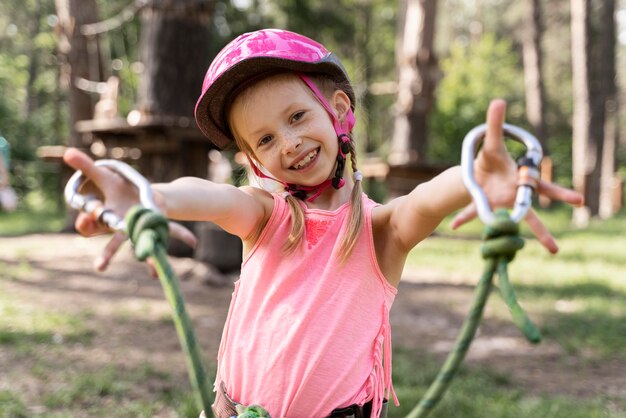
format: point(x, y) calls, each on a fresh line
point(78, 160)
point(88, 226)
point(495, 119)
point(180, 232)
point(102, 262)
point(494, 156)
point(464, 216)
point(540, 231)
point(535, 224)
point(556, 192)
point(152, 268)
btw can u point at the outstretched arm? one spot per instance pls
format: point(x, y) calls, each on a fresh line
point(238, 211)
point(416, 215)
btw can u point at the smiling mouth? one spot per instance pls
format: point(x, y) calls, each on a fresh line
point(306, 160)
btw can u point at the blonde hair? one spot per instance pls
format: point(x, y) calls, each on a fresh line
point(297, 234)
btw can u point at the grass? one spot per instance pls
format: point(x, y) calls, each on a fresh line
point(485, 393)
point(38, 339)
point(108, 392)
point(12, 406)
point(31, 220)
point(97, 392)
point(578, 297)
point(579, 294)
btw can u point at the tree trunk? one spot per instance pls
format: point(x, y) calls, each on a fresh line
point(593, 61)
point(74, 47)
point(33, 66)
point(534, 87)
point(74, 53)
point(584, 147)
point(175, 53)
point(608, 183)
point(175, 37)
point(417, 77)
point(533, 74)
point(363, 16)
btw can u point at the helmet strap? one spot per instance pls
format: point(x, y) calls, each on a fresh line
point(302, 192)
point(344, 149)
point(342, 129)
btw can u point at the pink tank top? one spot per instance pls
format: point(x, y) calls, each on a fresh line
point(305, 334)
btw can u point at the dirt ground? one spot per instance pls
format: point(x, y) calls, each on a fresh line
point(128, 313)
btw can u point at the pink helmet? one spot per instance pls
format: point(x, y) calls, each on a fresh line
point(253, 55)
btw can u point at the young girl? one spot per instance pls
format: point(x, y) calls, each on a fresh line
point(307, 334)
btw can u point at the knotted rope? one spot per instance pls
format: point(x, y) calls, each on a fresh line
point(149, 231)
point(501, 243)
point(252, 411)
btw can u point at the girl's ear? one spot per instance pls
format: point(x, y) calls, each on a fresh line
point(341, 103)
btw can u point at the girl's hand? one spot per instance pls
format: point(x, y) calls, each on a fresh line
point(496, 173)
point(114, 191)
point(117, 195)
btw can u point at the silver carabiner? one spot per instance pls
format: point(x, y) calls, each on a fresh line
point(528, 173)
point(91, 205)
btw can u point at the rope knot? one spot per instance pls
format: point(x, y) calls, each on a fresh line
point(501, 239)
point(252, 411)
point(146, 229)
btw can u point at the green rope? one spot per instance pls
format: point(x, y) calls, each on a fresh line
point(501, 242)
point(148, 231)
point(252, 411)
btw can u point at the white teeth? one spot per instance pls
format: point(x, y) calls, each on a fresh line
point(306, 160)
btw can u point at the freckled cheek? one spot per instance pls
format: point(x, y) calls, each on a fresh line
point(270, 158)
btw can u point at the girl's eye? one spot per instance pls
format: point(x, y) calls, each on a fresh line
point(297, 116)
point(265, 140)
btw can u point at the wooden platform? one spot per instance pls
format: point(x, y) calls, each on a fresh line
point(161, 147)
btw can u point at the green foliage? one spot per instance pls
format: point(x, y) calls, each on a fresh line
point(474, 74)
point(31, 108)
point(479, 43)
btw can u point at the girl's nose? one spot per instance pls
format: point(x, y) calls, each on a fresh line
point(290, 143)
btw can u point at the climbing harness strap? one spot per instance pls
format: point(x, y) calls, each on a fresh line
point(501, 241)
point(226, 407)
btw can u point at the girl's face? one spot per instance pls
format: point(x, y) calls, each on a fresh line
point(287, 130)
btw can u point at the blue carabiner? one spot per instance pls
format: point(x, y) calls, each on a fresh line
point(528, 172)
point(91, 205)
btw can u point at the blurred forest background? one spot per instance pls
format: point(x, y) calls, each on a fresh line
point(119, 78)
point(425, 71)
